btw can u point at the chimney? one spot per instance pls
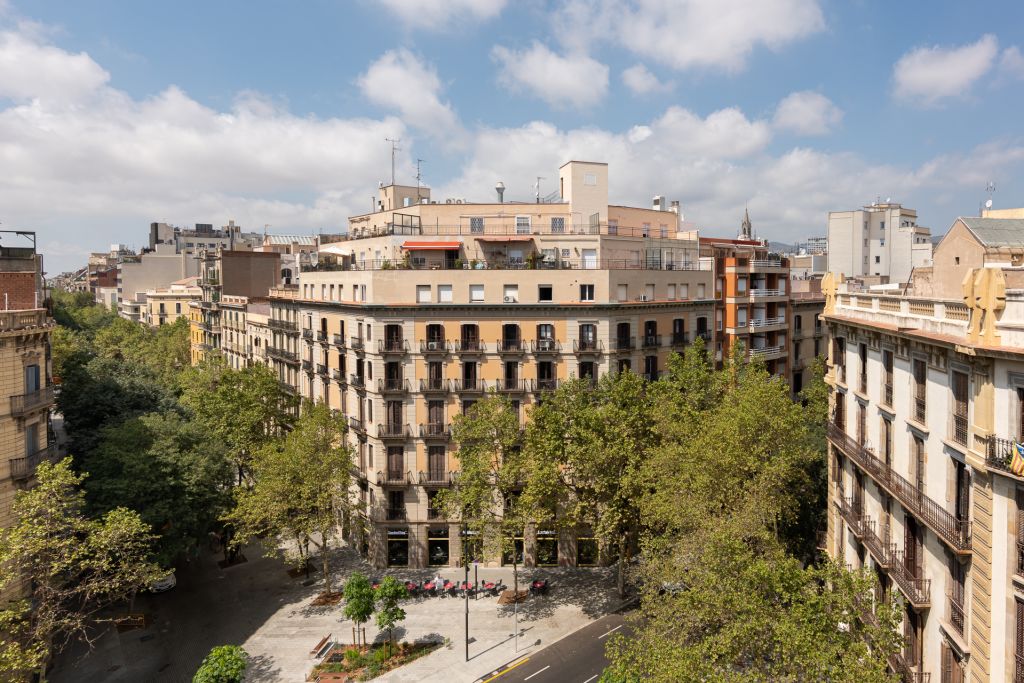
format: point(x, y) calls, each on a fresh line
point(674, 208)
point(659, 203)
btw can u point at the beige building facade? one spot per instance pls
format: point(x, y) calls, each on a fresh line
point(881, 240)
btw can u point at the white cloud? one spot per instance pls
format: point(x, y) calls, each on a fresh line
point(931, 74)
point(1011, 63)
point(686, 34)
point(29, 69)
point(642, 82)
point(401, 81)
point(443, 14)
point(574, 80)
point(807, 113)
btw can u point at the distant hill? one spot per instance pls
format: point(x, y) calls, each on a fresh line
point(781, 247)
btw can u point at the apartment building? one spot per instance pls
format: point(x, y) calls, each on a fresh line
point(151, 270)
point(927, 402)
point(25, 370)
point(228, 279)
point(808, 333)
point(881, 241)
point(429, 305)
point(164, 305)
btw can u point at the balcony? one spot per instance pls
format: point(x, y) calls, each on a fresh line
point(582, 346)
point(651, 341)
point(338, 376)
point(542, 346)
point(880, 547)
point(887, 393)
point(394, 514)
point(470, 386)
point(287, 388)
point(919, 406)
point(546, 384)
point(283, 325)
point(437, 347)
point(307, 334)
point(356, 425)
point(511, 386)
point(434, 385)
point(677, 339)
point(956, 614)
point(392, 385)
point(338, 340)
point(435, 477)
point(321, 370)
point(918, 591)
point(392, 346)
point(393, 477)
point(24, 404)
point(393, 431)
point(768, 351)
point(623, 344)
point(282, 355)
point(436, 430)
point(307, 366)
point(765, 293)
point(510, 346)
point(954, 532)
point(321, 336)
point(958, 429)
point(356, 343)
point(357, 381)
point(850, 511)
point(706, 335)
point(758, 324)
point(25, 468)
point(467, 346)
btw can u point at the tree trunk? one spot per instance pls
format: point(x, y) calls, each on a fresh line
point(326, 565)
point(621, 579)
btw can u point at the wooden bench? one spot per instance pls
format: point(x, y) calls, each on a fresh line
point(320, 646)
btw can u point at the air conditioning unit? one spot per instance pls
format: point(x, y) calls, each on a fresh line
point(642, 297)
point(510, 299)
point(433, 345)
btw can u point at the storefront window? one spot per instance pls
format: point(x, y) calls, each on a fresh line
point(506, 552)
point(437, 547)
point(398, 547)
point(472, 547)
point(547, 547)
point(586, 552)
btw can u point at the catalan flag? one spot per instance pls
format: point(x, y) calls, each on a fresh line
point(1017, 459)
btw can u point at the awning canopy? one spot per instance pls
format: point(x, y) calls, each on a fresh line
point(505, 238)
point(432, 246)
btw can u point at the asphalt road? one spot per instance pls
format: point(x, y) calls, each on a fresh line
point(577, 658)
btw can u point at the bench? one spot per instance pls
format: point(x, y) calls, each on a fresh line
point(320, 646)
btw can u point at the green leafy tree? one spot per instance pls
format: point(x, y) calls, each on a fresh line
point(300, 489)
point(224, 664)
point(486, 495)
point(169, 470)
point(68, 567)
point(388, 595)
point(244, 409)
point(358, 600)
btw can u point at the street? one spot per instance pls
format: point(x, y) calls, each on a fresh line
point(577, 658)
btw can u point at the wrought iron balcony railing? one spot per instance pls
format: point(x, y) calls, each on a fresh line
point(39, 399)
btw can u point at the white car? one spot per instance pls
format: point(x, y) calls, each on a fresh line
point(165, 584)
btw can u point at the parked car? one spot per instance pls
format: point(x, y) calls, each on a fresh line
point(165, 584)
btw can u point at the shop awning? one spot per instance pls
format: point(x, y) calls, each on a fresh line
point(432, 246)
point(505, 238)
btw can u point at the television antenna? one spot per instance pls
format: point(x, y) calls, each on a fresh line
point(418, 180)
point(394, 148)
point(537, 187)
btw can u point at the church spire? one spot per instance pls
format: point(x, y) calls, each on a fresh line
point(746, 230)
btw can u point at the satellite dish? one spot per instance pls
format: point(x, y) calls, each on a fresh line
point(988, 203)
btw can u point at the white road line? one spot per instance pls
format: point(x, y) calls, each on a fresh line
point(590, 679)
point(610, 632)
point(537, 672)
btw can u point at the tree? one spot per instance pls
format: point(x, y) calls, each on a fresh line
point(584, 455)
point(69, 568)
point(300, 489)
point(244, 409)
point(167, 469)
point(389, 612)
point(486, 495)
point(224, 664)
point(358, 599)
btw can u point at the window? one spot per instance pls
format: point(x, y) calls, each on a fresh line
point(622, 292)
point(444, 294)
point(881, 226)
point(557, 225)
point(586, 292)
point(590, 179)
point(959, 430)
point(522, 225)
point(476, 293)
point(741, 285)
point(586, 370)
point(588, 337)
point(797, 322)
point(1020, 531)
point(544, 293)
point(613, 226)
point(684, 291)
point(510, 294)
point(476, 225)
point(651, 368)
point(878, 259)
point(1019, 641)
point(920, 380)
point(862, 352)
point(671, 292)
point(700, 291)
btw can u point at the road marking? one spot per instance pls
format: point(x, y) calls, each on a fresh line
point(537, 672)
point(610, 632)
point(590, 679)
point(522, 661)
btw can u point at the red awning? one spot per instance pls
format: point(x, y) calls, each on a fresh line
point(432, 246)
point(505, 238)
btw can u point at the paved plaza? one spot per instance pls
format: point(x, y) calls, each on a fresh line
point(257, 605)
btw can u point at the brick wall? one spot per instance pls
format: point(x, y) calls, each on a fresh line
point(20, 289)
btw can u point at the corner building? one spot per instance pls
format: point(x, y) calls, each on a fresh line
point(427, 306)
point(927, 402)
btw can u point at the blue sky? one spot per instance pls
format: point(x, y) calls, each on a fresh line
point(113, 115)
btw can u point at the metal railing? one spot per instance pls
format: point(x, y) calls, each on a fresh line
point(956, 615)
point(999, 453)
point(338, 340)
point(918, 591)
point(623, 343)
point(851, 513)
point(887, 393)
point(547, 384)
point(470, 385)
point(546, 346)
point(919, 406)
point(282, 354)
point(307, 366)
point(512, 385)
point(678, 339)
point(510, 346)
point(434, 385)
point(25, 468)
point(357, 381)
point(439, 346)
point(763, 293)
point(959, 429)
point(435, 430)
point(706, 335)
point(393, 431)
point(307, 334)
point(588, 346)
point(356, 343)
point(435, 477)
point(32, 400)
point(338, 375)
point(651, 341)
point(283, 325)
point(392, 346)
point(356, 424)
point(758, 323)
point(470, 346)
point(393, 477)
point(500, 263)
point(880, 547)
point(392, 385)
point(955, 532)
point(767, 351)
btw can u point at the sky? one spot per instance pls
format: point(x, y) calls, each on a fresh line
point(114, 115)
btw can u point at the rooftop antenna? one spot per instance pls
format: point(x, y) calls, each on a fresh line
point(990, 188)
point(537, 187)
point(418, 178)
point(394, 148)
